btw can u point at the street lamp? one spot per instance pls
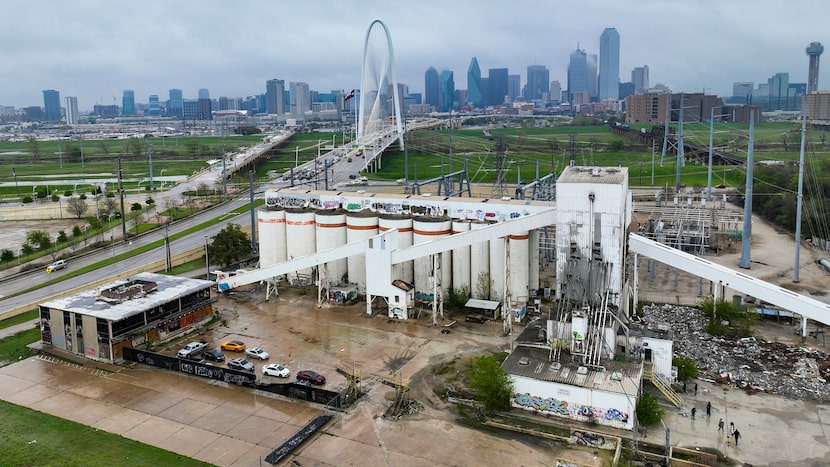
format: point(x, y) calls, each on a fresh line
point(19, 253)
point(207, 260)
point(14, 173)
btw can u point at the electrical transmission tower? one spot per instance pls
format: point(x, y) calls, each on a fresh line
point(501, 167)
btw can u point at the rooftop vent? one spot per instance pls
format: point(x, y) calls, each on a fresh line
point(132, 289)
point(583, 370)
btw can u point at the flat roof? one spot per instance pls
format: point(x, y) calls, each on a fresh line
point(619, 376)
point(604, 175)
point(482, 304)
point(169, 288)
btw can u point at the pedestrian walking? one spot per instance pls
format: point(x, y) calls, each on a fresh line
point(695, 388)
point(708, 409)
point(684, 387)
point(694, 410)
point(732, 429)
point(737, 436)
point(720, 425)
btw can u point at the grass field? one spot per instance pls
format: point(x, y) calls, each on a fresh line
point(29, 437)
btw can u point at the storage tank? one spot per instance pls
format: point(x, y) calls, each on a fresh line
point(533, 260)
point(360, 225)
point(402, 271)
point(461, 260)
point(518, 268)
point(497, 250)
point(480, 266)
point(271, 226)
point(331, 233)
point(300, 237)
point(425, 229)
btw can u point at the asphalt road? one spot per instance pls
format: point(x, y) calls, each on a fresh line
point(338, 174)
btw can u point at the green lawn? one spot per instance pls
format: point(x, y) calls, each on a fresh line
point(29, 437)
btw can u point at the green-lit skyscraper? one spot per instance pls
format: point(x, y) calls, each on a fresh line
point(474, 94)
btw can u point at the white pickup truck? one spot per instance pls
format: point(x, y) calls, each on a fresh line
point(192, 349)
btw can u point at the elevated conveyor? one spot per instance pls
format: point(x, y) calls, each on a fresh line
point(727, 277)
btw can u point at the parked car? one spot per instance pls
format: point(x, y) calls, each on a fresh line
point(192, 349)
point(241, 364)
point(234, 346)
point(311, 376)
point(272, 369)
point(256, 352)
point(59, 264)
point(213, 354)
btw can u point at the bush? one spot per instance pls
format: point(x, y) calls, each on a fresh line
point(648, 410)
point(686, 368)
point(68, 193)
point(738, 322)
point(27, 199)
point(491, 383)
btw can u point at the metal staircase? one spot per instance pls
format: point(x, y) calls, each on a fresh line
point(662, 385)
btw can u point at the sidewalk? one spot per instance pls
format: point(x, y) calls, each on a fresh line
point(12, 330)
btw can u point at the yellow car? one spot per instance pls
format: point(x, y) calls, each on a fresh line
point(233, 346)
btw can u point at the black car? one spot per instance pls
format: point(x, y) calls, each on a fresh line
point(213, 354)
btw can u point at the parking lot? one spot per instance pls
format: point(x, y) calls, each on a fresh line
point(232, 425)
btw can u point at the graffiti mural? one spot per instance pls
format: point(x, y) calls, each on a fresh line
point(550, 405)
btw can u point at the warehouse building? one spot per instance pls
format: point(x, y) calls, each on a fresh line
point(98, 323)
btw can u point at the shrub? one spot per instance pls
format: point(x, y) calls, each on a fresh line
point(648, 410)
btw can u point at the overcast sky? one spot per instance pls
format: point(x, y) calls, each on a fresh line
point(96, 49)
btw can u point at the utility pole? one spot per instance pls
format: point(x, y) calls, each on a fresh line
point(121, 194)
point(253, 217)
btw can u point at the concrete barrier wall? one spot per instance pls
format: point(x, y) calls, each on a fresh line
point(177, 259)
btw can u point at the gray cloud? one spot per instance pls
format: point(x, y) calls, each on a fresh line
point(94, 49)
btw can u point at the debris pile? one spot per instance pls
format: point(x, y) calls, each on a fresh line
point(750, 364)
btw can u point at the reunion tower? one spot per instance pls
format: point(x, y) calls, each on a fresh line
point(814, 50)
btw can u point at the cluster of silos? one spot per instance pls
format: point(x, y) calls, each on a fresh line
point(481, 268)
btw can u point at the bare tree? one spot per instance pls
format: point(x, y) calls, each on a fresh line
point(77, 206)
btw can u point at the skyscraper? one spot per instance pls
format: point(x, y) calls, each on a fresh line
point(609, 64)
point(154, 109)
point(128, 103)
point(497, 85)
point(514, 87)
point(447, 91)
point(204, 107)
point(555, 91)
point(274, 92)
point(538, 82)
point(579, 79)
point(71, 110)
point(300, 98)
point(639, 76)
point(432, 88)
point(474, 95)
point(175, 104)
point(52, 105)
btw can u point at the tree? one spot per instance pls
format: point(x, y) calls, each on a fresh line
point(135, 207)
point(77, 232)
point(77, 207)
point(34, 147)
point(6, 255)
point(56, 197)
point(491, 383)
point(247, 130)
point(27, 249)
point(229, 246)
point(73, 152)
point(648, 410)
point(108, 206)
point(686, 368)
point(39, 238)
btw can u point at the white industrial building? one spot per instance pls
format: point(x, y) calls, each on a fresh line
point(584, 357)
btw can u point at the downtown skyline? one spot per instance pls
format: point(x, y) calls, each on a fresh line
point(94, 50)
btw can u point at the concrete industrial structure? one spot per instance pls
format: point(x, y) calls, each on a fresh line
point(99, 323)
point(584, 360)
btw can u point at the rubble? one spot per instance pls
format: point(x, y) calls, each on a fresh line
point(748, 363)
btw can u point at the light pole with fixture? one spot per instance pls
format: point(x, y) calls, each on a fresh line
point(14, 174)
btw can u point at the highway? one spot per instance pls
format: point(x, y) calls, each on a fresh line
point(339, 174)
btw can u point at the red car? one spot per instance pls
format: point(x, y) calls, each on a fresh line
point(311, 376)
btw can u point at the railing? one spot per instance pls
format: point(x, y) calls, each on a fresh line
point(662, 385)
